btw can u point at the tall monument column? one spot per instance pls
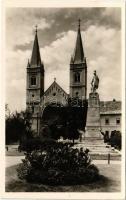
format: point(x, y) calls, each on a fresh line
point(93, 116)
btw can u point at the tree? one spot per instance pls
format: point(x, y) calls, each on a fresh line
point(72, 130)
point(64, 121)
point(7, 111)
point(18, 127)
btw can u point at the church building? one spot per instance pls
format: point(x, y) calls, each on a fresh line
point(37, 98)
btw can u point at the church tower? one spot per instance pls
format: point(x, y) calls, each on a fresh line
point(78, 70)
point(35, 78)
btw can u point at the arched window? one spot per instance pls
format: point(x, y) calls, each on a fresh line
point(54, 94)
point(77, 77)
point(33, 80)
point(76, 94)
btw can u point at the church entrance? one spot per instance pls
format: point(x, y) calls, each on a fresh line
point(57, 121)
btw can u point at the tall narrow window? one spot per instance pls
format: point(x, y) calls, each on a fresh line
point(107, 121)
point(76, 94)
point(118, 121)
point(77, 77)
point(33, 80)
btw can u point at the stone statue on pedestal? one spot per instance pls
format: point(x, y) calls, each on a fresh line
point(94, 82)
point(93, 115)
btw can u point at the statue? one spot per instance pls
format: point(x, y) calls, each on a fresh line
point(94, 82)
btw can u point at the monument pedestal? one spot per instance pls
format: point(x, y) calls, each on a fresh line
point(93, 117)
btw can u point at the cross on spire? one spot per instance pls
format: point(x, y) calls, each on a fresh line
point(78, 55)
point(79, 21)
point(36, 58)
point(36, 28)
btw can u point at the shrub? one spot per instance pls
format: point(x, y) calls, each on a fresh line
point(36, 144)
point(58, 164)
point(115, 139)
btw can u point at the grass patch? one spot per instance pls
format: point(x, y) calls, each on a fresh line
point(109, 182)
point(22, 186)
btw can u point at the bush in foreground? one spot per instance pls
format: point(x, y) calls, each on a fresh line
point(58, 164)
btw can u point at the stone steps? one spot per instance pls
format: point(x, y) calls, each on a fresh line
point(98, 148)
point(93, 142)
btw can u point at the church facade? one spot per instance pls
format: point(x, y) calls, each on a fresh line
point(37, 99)
point(36, 96)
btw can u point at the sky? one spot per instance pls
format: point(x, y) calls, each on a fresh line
point(57, 31)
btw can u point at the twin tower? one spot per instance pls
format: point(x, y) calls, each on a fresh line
point(36, 74)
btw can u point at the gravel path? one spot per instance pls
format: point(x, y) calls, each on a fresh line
point(14, 160)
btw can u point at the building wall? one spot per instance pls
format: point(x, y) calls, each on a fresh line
point(112, 125)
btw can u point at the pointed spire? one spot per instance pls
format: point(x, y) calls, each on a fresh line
point(78, 55)
point(35, 58)
point(28, 65)
point(72, 60)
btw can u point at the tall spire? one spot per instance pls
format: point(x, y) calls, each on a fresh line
point(35, 58)
point(28, 65)
point(78, 55)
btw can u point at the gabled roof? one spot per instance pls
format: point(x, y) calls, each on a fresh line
point(78, 56)
point(56, 85)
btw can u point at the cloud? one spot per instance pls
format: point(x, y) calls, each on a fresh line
point(103, 52)
point(113, 15)
point(56, 58)
point(57, 36)
point(59, 51)
point(102, 48)
point(21, 27)
point(16, 63)
point(20, 22)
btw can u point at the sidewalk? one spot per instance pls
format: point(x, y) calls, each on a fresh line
point(106, 162)
point(14, 160)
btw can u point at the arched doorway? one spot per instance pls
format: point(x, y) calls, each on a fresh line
point(58, 120)
point(52, 120)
